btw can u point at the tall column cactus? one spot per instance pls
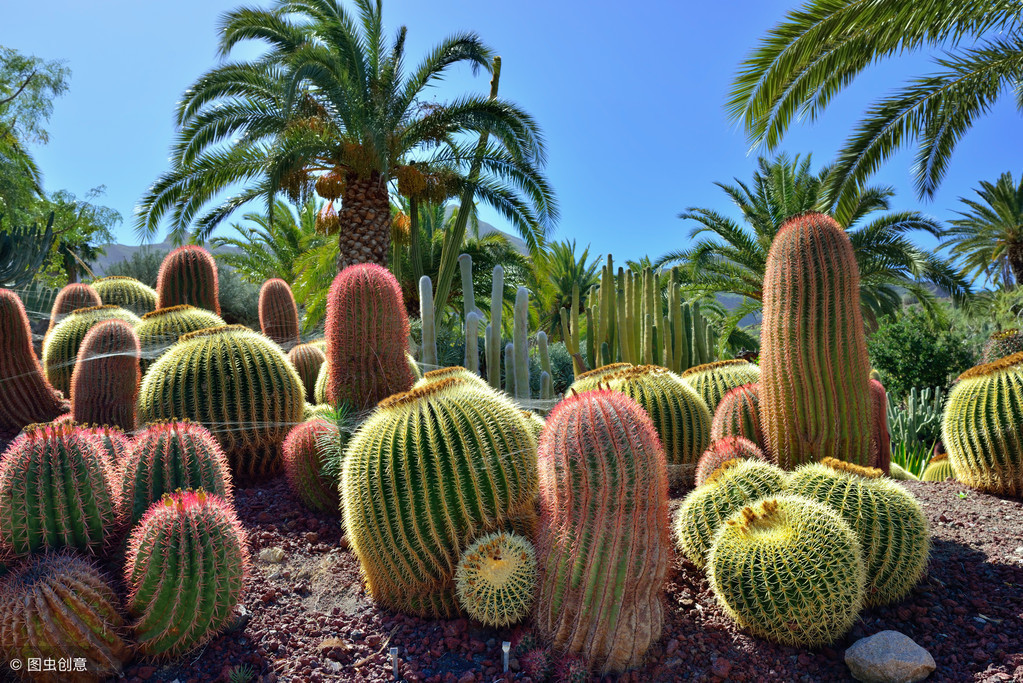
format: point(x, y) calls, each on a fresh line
point(426, 315)
point(521, 344)
point(71, 298)
point(278, 314)
point(25, 394)
point(492, 340)
point(126, 292)
point(105, 383)
point(880, 438)
point(814, 396)
point(472, 337)
point(604, 544)
point(188, 276)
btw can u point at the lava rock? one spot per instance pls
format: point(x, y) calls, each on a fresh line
point(888, 657)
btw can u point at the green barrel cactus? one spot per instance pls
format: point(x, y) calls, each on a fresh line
point(72, 297)
point(307, 360)
point(421, 480)
point(604, 545)
point(888, 521)
point(321, 385)
point(60, 351)
point(105, 382)
point(938, 469)
point(278, 314)
point(721, 451)
point(236, 383)
point(788, 569)
point(735, 484)
point(168, 456)
point(126, 292)
point(495, 579)
point(186, 566)
point(982, 427)
point(188, 277)
point(814, 396)
point(899, 473)
point(713, 380)
point(453, 372)
point(161, 329)
point(587, 381)
point(738, 414)
point(1002, 344)
point(536, 422)
point(57, 490)
point(59, 607)
point(305, 457)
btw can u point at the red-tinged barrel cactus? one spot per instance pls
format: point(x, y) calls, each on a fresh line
point(814, 396)
point(1002, 344)
point(161, 329)
point(71, 298)
point(880, 438)
point(367, 333)
point(60, 350)
point(188, 276)
point(168, 456)
point(278, 314)
point(26, 396)
point(713, 380)
point(57, 490)
point(105, 383)
point(59, 607)
point(304, 462)
point(308, 360)
point(116, 445)
point(604, 544)
point(738, 414)
point(185, 572)
point(126, 292)
point(723, 450)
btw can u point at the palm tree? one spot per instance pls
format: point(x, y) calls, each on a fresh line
point(819, 49)
point(331, 106)
point(734, 258)
point(553, 277)
point(989, 236)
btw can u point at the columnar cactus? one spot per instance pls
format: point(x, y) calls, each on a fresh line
point(723, 450)
point(185, 572)
point(160, 329)
point(982, 427)
point(71, 298)
point(60, 351)
point(814, 397)
point(58, 607)
point(880, 438)
point(587, 381)
point(420, 481)
point(57, 490)
point(789, 570)
point(105, 382)
point(25, 394)
point(367, 332)
point(278, 314)
point(713, 380)
point(1002, 344)
point(304, 462)
point(188, 276)
point(938, 469)
point(495, 580)
point(126, 292)
point(168, 456)
point(738, 414)
point(236, 383)
point(604, 545)
point(308, 360)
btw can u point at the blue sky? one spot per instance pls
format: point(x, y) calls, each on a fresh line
point(630, 96)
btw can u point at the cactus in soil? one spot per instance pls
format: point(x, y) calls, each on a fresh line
point(168, 456)
point(186, 565)
point(713, 380)
point(495, 579)
point(1002, 344)
point(814, 396)
point(161, 329)
point(236, 383)
point(126, 292)
point(888, 521)
point(420, 481)
point(59, 607)
point(307, 360)
point(738, 414)
point(938, 469)
point(604, 545)
point(105, 382)
point(880, 438)
point(71, 298)
point(304, 461)
point(26, 396)
point(367, 331)
point(60, 351)
point(789, 570)
point(57, 490)
point(721, 451)
point(735, 483)
point(188, 276)
point(982, 427)
point(592, 379)
point(278, 314)
point(426, 315)
point(451, 372)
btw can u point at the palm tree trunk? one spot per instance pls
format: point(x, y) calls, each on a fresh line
point(365, 234)
point(1015, 255)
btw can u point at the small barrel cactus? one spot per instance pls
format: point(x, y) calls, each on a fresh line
point(495, 579)
point(161, 329)
point(453, 372)
point(723, 450)
point(168, 456)
point(889, 523)
point(421, 480)
point(236, 383)
point(713, 380)
point(880, 438)
point(185, 572)
point(591, 379)
point(735, 484)
point(57, 490)
point(58, 607)
point(738, 414)
point(105, 382)
point(26, 397)
point(307, 360)
point(304, 461)
point(188, 276)
point(604, 545)
point(278, 314)
point(1002, 344)
point(982, 427)
point(65, 340)
point(938, 469)
point(126, 292)
point(789, 570)
point(71, 298)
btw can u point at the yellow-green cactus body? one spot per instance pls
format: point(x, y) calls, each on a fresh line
point(938, 469)
point(63, 343)
point(899, 473)
point(321, 385)
point(713, 380)
point(588, 381)
point(126, 292)
point(495, 580)
point(160, 329)
point(453, 372)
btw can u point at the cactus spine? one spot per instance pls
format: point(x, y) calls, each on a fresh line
point(713, 380)
point(495, 580)
point(188, 276)
point(105, 382)
point(604, 544)
point(723, 450)
point(426, 315)
point(126, 292)
point(278, 314)
point(63, 344)
point(307, 361)
point(304, 460)
point(71, 298)
point(161, 328)
point(814, 397)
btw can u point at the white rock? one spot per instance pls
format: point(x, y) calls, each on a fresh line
point(888, 657)
point(273, 555)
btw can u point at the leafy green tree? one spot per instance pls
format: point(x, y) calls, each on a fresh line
point(79, 227)
point(819, 48)
point(144, 266)
point(988, 238)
